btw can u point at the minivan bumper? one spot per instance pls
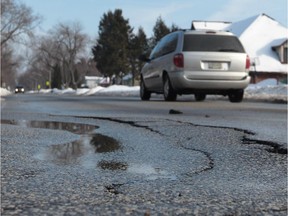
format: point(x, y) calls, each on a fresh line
point(180, 83)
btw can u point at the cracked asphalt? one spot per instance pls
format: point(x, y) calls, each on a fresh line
point(116, 156)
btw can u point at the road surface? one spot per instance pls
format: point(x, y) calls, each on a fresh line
point(119, 155)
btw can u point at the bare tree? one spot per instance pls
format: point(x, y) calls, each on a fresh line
point(64, 46)
point(9, 64)
point(71, 42)
point(16, 20)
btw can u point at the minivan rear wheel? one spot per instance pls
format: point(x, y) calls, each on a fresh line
point(169, 93)
point(236, 96)
point(144, 93)
point(200, 96)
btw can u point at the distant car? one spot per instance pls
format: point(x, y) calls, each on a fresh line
point(19, 89)
point(196, 62)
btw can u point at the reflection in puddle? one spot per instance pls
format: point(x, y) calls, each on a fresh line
point(70, 153)
point(112, 165)
point(89, 144)
point(104, 144)
point(76, 128)
point(151, 172)
point(64, 154)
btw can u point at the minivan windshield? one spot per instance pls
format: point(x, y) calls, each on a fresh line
point(212, 43)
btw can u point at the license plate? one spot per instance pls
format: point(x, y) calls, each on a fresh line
point(215, 66)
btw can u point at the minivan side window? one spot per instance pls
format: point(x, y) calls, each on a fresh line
point(155, 52)
point(165, 46)
point(170, 44)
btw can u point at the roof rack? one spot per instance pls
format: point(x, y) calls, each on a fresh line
point(210, 25)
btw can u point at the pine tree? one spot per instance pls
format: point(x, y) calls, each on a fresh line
point(160, 30)
point(56, 77)
point(111, 50)
point(137, 46)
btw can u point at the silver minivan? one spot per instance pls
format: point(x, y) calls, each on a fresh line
point(196, 62)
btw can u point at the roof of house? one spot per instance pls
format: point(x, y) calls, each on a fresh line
point(280, 42)
point(259, 34)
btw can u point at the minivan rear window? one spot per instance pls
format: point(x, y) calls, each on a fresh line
point(212, 43)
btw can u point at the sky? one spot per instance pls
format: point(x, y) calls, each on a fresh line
point(144, 13)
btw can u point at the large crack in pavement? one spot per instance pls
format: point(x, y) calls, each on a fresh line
point(273, 146)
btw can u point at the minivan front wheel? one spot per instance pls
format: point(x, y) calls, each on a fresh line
point(169, 93)
point(236, 96)
point(144, 93)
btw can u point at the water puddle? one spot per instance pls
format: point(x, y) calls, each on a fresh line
point(150, 172)
point(70, 153)
point(112, 165)
point(76, 128)
point(82, 152)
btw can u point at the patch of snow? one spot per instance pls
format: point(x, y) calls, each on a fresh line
point(82, 91)
point(4, 92)
point(267, 90)
point(94, 90)
point(121, 90)
point(64, 91)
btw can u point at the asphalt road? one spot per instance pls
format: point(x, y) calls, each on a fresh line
point(71, 155)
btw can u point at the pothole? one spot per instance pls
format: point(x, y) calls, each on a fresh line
point(70, 153)
point(95, 151)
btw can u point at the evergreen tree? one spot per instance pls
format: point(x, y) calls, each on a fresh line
point(111, 50)
point(56, 77)
point(174, 27)
point(160, 30)
point(137, 46)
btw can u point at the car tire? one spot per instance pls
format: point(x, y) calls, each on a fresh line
point(236, 96)
point(200, 96)
point(144, 93)
point(168, 91)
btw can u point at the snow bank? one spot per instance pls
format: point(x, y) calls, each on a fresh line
point(87, 91)
point(4, 92)
point(113, 90)
point(120, 90)
point(267, 90)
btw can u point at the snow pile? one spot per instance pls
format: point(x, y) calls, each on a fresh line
point(4, 92)
point(87, 91)
point(120, 90)
point(113, 90)
point(64, 91)
point(267, 90)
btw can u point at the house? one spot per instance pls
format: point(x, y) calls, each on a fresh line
point(265, 40)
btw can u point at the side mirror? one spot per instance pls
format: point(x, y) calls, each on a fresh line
point(143, 58)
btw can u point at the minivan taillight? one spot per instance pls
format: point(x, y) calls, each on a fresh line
point(247, 62)
point(179, 60)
